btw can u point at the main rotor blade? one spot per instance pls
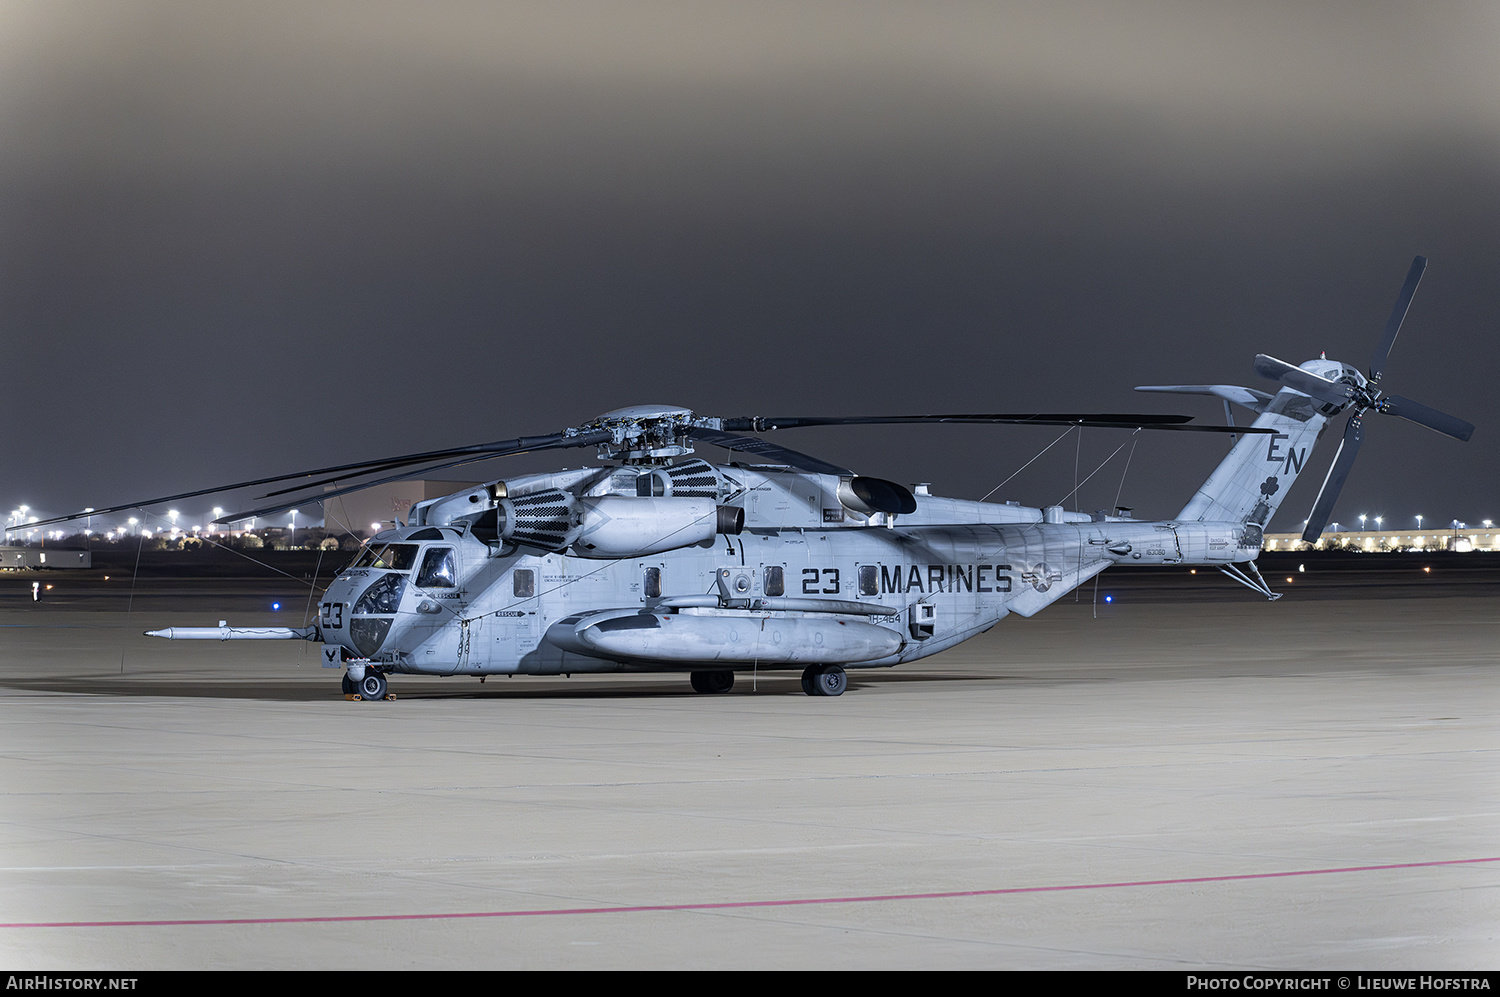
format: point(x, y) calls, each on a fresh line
point(1334, 482)
point(1106, 420)
point(391, 465)
point(1405, 408)
point(557, 442)
point(1321, 388)
point(765, 423)
point(764, 448)
point(1398, 315)
point(500, 448)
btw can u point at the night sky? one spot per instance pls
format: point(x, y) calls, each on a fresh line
point(245, 239)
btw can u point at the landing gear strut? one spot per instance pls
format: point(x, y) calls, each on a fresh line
point(824, 680)
point(713, 682)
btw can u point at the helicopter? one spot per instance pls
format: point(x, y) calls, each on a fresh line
point(661, 561)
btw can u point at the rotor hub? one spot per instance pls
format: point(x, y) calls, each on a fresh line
point(650, 435)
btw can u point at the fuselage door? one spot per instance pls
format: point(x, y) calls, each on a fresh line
point(438, 604)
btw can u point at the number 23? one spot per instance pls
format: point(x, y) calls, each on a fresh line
point(810, 581)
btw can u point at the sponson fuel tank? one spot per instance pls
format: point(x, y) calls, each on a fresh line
point(689, 638)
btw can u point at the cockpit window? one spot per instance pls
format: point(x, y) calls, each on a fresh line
point(439, 569)
point(398, 557)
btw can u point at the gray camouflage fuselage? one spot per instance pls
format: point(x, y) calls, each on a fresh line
point(808, 580)
point(713, 569)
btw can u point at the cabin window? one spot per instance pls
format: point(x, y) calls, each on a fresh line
point(869, 583)
point(775, 581)
point(439, 569)
point(523, 583)
point(651, 583)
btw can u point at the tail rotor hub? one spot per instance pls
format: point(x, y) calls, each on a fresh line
point(1339, 386)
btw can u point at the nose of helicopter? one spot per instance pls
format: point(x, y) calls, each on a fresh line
point(361, 609)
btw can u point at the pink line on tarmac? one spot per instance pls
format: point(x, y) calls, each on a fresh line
point(740, 904)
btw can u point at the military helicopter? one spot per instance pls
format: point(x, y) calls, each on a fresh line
point(662, 561)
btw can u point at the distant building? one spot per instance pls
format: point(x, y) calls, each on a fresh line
point(18, 558)
point(1448, 538)
point(374, 509)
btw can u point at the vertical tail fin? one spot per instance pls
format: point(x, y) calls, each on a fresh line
point(1251, 482)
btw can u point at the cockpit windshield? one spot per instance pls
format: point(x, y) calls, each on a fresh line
point(398, 557)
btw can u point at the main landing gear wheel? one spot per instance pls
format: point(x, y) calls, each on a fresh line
point(714, 682)
point(371, 687)
point(824, 680)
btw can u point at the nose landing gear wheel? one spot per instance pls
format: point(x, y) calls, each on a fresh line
point(348, 685)
point(824, 680)
point(712, 682)
point(371, 687)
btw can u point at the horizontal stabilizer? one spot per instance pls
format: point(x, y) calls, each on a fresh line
point(1255, 401)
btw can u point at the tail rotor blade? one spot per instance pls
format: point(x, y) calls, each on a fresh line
point(1405, 408)
point(1321, 388)
point(1334, 483)
point(1398, 315)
